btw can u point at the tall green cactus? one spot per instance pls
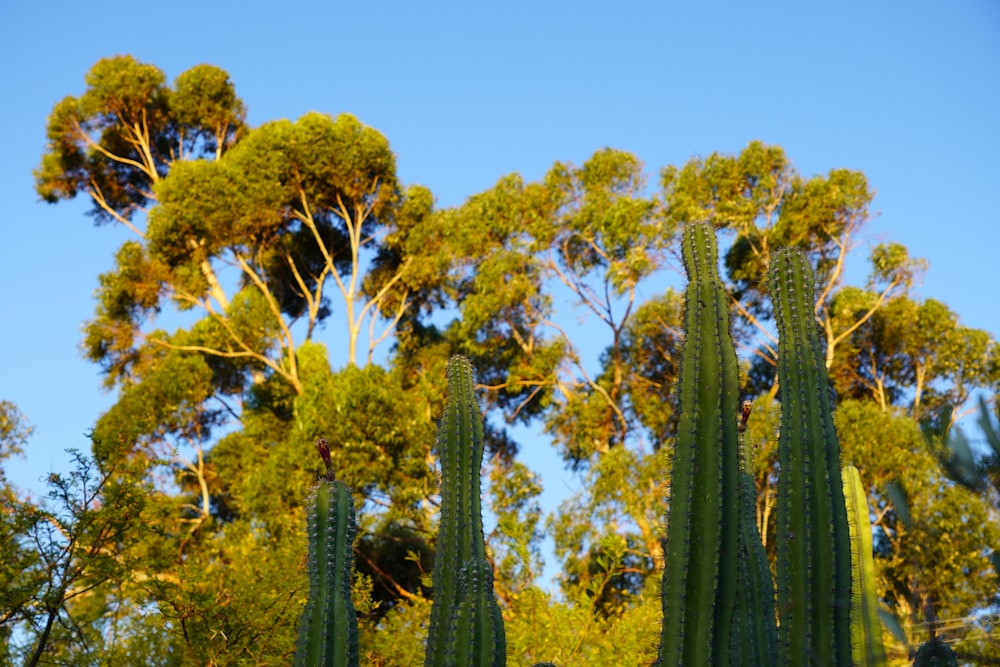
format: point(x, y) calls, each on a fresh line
point(814, 561)
point(755, 637)
point(328, 628)
point(706, 554)
point(466, 628)
point(866, 629)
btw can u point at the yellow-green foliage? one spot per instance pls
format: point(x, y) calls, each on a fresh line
point(539, 628)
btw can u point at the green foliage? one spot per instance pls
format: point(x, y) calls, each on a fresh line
point(67, 563)
point(236, 597)
point(399, 637)
point(514, 492)
point(381, 438)
point(124, 131)
point(910, 348)
point(261, 235)
point(929, 533)
point(571, 632)
point(608, 536)
point(976, 472)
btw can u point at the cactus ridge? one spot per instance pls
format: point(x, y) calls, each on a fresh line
point(755, 633)
point(328, 628)
point(702, 542)
point(814, 568)
point(465, 627)
point(476, 620)
point(866, 629)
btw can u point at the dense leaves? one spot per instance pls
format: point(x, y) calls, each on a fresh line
point(243, 320)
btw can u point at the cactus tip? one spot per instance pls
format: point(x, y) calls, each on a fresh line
point(324, 451)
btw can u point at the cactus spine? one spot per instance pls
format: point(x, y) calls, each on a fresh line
point(328, 628)
point(704, 550)
point(755, 632)
point(814, 565)
point(866, 629)
point(465, 624)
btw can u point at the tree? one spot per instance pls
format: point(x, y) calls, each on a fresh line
point(510, 255)
point(246, 230)
point(759, 197)
point(912, 352)
point(65, 561)
point(262, 256)
point(934, 572)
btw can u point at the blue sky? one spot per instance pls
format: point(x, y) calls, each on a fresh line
point(908, 93)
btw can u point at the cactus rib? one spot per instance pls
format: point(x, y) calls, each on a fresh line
point(866, 630)
point(814, 566)
point(755, 633)
point(702, 542)
point(328, 628)
point(465, 624)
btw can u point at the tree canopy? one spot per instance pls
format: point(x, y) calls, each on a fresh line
point(270, 250)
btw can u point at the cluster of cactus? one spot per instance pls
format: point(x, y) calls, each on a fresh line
point(466, 628)
point(718, 595)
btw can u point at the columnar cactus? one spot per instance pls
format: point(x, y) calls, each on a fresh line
point(328, 628)
point(707, 553)
point(718, 597)
point(814, 558)
point(866, 629)
point(465, 625)
point(755, 633)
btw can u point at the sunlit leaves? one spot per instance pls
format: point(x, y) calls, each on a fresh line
point(913, 350)
point(623, 496)
point(379, 440)
point(937, 557)
point(14, 431)
point(122, 87)
point(608, 221)
point(68, 563)
point(262, 234)
point(199, 212)
point(205, 106)
point(515, 543)
point(125, 131)
point(891, 262)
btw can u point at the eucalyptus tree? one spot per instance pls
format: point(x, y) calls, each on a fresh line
point(761, 199)
point(275, 252)
point(247, 240)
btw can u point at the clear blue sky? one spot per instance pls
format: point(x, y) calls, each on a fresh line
point(908, 93)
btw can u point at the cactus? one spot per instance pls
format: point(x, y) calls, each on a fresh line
point(814, 565)
point(718, 597)
point(706, 554)
point(755, 639)
point(866, 630)
point(935, 653)
point(328, 628)
point(465, 624)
